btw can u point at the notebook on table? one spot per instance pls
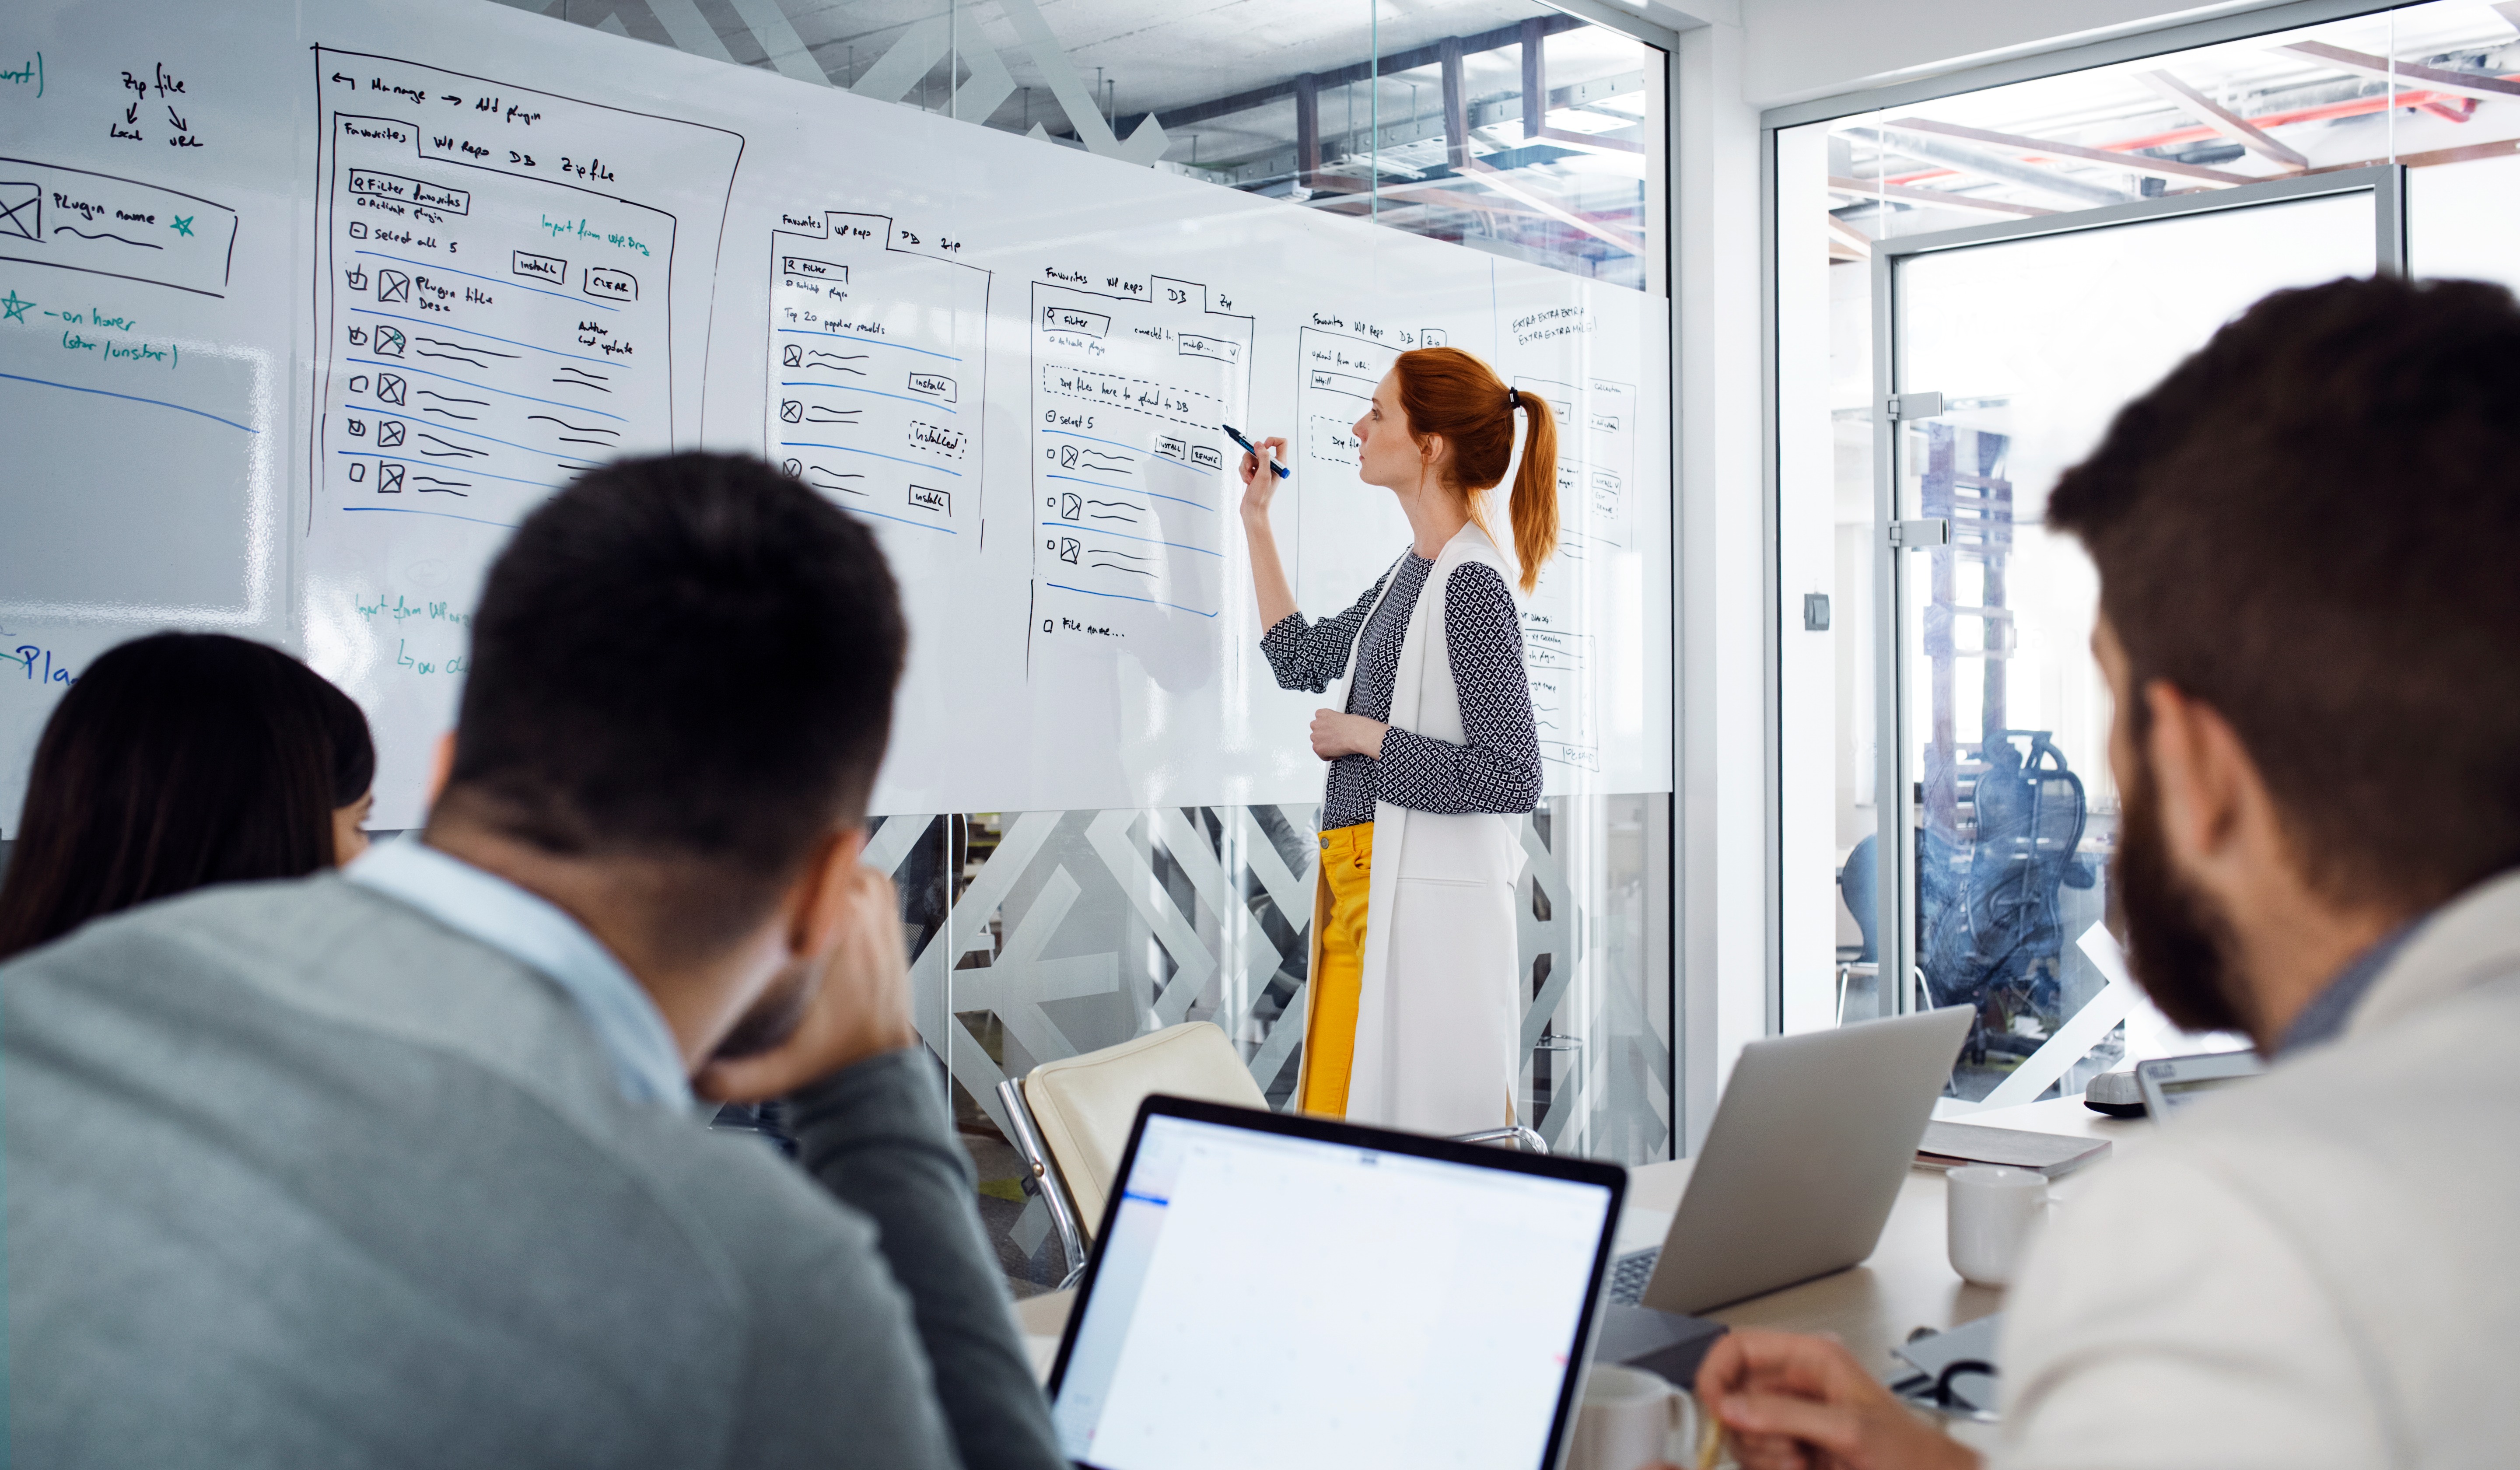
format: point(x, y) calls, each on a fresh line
point(1949, 1146)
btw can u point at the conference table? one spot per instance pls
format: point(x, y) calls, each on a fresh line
point(1905, 1283)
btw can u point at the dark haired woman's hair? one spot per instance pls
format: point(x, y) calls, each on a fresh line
point(179, 760)
point(1448, 391)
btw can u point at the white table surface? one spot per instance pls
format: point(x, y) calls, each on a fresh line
point(1905, 1283)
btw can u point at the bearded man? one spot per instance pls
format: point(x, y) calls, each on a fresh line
point(2308, 537)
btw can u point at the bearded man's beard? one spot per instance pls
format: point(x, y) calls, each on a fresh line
point(2178, 943)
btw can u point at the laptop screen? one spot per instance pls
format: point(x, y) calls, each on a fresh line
point(1269, 1300)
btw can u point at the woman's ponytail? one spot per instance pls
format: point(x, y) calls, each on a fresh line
point(1447, 391)
point(1534, 505)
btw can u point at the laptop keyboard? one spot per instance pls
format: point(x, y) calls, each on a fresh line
point(1630, 1273)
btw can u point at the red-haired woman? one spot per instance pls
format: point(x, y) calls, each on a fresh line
point(1412, 1019)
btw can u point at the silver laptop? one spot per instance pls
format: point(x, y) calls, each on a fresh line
point(1803, 1160)
point(1287, 1292)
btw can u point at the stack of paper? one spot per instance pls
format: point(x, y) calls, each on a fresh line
point(1948, 1146)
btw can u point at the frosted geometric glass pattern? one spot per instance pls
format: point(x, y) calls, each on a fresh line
point(1040, 935)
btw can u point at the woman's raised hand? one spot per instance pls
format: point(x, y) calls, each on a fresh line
point(1260, 485)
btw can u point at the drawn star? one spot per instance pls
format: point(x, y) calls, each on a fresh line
point(16, 308)
point(183, 224)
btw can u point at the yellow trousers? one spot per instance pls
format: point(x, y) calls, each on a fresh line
point(1338, 979)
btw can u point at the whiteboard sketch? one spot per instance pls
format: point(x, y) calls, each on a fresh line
point(879, 374)
point(497, 308)
point(375, 332)
point(1132, 380)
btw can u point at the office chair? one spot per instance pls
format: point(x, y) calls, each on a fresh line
point(1991, 934)
point(1069, 1119)
point(1858, 887)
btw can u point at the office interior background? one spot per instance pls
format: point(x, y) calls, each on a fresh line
point(1913, 256)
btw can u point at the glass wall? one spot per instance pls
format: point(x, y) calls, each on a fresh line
point(1504, 127)
point(1984, 695)
point(1040, 935)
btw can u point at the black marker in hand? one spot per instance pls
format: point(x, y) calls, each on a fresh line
point(1253, 449)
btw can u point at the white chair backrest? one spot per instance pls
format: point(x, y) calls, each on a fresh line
point(1085, 1104)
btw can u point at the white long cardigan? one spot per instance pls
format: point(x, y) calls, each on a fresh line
point(1437, 1020)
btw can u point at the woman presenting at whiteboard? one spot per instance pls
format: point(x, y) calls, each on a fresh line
point(1412, 1018)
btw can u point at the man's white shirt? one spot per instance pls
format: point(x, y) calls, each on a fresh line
point(2319, 1269)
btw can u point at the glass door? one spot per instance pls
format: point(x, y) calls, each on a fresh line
point(2002, 353)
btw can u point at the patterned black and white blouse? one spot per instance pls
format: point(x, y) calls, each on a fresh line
point(1497, 771)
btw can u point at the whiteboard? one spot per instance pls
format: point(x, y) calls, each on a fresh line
point(436, 258)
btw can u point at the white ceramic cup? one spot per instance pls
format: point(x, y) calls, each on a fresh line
point(1629, 1418)
point(1992, 1210)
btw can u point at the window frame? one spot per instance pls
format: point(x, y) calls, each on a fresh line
point(2030, 64)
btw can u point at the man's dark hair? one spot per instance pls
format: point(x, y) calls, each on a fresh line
point(178, 760)
point(687, 659)
point(2312, 525)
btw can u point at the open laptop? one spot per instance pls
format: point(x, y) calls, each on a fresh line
point(1802, 1163)
point(1277, 1291)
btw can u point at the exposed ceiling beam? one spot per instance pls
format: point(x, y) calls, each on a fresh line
point(2229, 124)
point(2133, 162)
point(2000, 170)
point(1496, 179)
point(1357, 197)
point(1339, 76)
point(1868, 190)
point(1845, 237)
point(2463, 83)
point(1535, 98)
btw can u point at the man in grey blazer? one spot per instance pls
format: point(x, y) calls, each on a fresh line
point(403, 1166)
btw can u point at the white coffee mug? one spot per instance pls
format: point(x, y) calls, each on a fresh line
point(1992, 1210)
point(1629, 1419)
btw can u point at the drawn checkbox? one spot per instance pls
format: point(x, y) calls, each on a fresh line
point(791, 412)
point(21, 211)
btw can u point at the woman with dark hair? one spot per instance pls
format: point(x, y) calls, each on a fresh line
point(1412, 1018)
point(177, 761)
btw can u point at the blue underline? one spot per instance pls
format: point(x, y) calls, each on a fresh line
point(1090, 439)
point(505, 525)
point(1178, 546)
point(1125, 598)
point(925, 525)
point(583, 461)
point(395, 458)
point(46, 383)
point(845, 449)
point(369, 311)
point(1132, 448)
point(432, 265)
point(370, 362)
point(878, 341)
point(1134, 490)
point(850, 387)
